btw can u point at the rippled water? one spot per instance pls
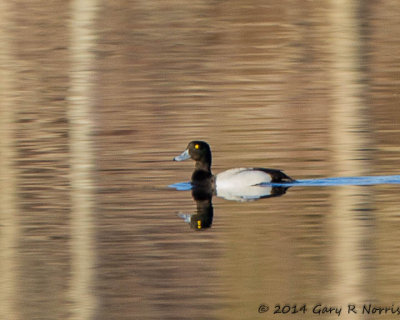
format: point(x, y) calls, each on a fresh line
point(96, 98)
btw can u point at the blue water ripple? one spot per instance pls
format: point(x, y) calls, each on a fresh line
point(181, 186)
point(342, 181)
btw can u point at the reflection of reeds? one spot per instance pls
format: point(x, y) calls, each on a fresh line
point(351, 149)
point(8, 209)
point(81, 165)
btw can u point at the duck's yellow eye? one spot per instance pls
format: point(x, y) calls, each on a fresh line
point(196, 146)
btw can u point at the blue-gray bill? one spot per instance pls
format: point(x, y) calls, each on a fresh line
point(183, 156)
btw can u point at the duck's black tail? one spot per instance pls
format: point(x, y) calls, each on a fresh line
point(277, 175)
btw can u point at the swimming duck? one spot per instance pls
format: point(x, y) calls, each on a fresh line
point(231, 181)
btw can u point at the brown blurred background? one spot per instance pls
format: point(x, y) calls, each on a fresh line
point(96, 97)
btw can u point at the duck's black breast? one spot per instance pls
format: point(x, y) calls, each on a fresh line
point(202, 178)
point(202, 184)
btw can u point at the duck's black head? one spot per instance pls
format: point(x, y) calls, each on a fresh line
point(200, 152)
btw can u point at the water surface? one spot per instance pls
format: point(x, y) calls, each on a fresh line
point(95, 100)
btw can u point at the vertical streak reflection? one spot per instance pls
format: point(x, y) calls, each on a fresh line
point(83, 14)
point(8, 207)
point(351, 144)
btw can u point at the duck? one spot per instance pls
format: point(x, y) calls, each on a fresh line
point(231, 182)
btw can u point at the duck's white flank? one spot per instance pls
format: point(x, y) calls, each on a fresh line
point(243, 177)
point(242, 184)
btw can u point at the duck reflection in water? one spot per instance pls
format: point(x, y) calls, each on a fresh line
point(240, 184)
point(203, 217)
